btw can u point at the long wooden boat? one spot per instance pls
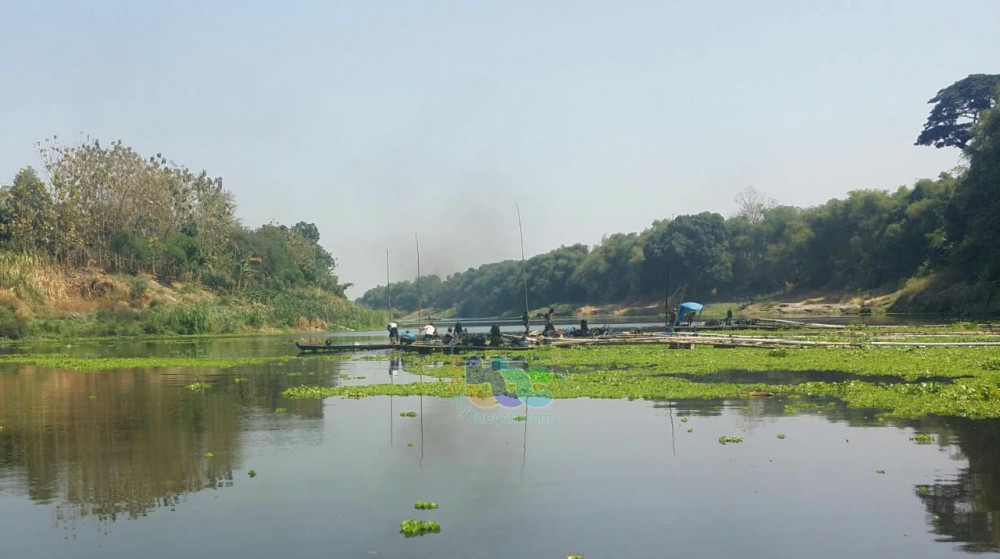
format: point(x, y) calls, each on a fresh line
point(417, 347)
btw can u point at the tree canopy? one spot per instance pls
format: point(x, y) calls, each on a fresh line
point(871, 239)
point(108, 207)
point(956, 110)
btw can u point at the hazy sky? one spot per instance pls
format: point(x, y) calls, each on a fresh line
point(377, 120)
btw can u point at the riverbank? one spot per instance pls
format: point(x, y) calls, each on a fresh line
point(51, 303)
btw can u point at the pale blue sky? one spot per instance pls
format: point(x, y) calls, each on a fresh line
point(378, 120)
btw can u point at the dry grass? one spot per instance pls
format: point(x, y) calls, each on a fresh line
point(31, 276)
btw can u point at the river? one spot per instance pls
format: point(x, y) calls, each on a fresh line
point(137, 463)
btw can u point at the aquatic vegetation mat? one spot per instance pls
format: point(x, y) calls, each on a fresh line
point(896, 381)
point(411, 528)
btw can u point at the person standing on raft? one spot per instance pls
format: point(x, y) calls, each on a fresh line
point(548, 321)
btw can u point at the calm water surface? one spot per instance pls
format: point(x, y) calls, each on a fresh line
point(112, 464)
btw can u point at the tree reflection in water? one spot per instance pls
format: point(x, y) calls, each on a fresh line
point(122, 442)
point(965, 509)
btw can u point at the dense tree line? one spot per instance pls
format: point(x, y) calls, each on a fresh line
point(111, 209)
point(948, 228)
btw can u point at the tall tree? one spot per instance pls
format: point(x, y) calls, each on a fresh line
point(613, 270)
point(751, 204)
point(28, 215)
point(956, 110)
point(973, 218)
point(694, 250)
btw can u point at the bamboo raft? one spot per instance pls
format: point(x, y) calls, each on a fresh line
point(682, 339)
point(415, 347)
point(688, 341)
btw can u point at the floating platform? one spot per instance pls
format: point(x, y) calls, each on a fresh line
point(415, 347)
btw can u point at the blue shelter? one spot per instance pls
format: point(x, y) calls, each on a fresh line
point(686, 309)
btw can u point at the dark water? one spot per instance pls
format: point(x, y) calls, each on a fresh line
point(112, 464)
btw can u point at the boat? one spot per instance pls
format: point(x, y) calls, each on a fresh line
point(419, 347)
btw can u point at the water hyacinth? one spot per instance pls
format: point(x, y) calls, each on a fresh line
point(412, 527)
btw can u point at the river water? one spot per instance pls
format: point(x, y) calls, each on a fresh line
point(134, 463)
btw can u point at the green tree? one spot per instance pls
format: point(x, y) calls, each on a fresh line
point(692, 249)
point(612, 271)
point(973, 221)
point(550, 276)
point(28, 222)
point(956, 110)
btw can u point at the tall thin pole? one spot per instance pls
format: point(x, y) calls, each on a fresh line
point(418, 278)
point(666, 301)
point(388, 297)
point(524, 271)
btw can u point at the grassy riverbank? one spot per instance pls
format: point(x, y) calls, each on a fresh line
point(45, 302)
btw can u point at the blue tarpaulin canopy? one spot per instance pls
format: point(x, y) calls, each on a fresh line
point(688, 308)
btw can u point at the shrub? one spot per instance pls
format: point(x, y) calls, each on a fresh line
point(11, 326)
point(137, 287)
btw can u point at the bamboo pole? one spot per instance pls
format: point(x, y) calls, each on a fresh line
point(388, 297)
point(415, 239)
point(524, 272)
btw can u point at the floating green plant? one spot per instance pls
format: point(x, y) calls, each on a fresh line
point(408, 414)
point(879, 471)
point(209, 455)
point(425, 505)
point(198, 386)
point(92, 397)
point(922, 438)
point(280, 410)
point(252, 473)
point(633, 372)
point(684, 420)
point(730, 440)
point(781, 435)
point(923, 490)
point(412, 527)
point(520, 418)
point(690, 429)
point(238, 380)
point(409, 443)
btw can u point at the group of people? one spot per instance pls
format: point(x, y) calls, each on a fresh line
point(457, 333)
point(672, 319)
point(427, 332)
point(549, 328)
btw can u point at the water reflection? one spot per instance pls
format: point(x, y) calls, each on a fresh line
point(111, 444)
point(779, 377)
point(121, 442)
point(964, 508)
